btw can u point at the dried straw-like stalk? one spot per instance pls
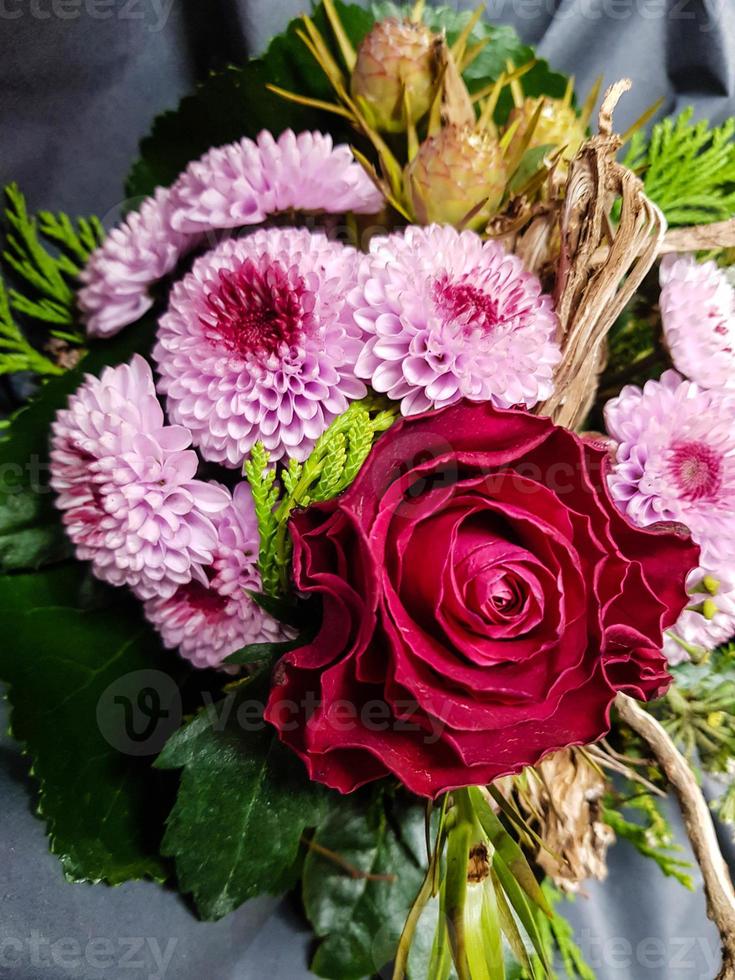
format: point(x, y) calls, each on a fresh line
point(600, 266)
point(720, 234)
point(698, 821)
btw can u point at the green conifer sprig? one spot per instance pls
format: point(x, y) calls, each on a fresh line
point(332, 466)
point(558, 938)
point(687, 168)
point(16, 353)
point(45, 253)
point(652, 837)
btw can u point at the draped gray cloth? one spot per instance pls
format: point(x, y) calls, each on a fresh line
point(80, 81)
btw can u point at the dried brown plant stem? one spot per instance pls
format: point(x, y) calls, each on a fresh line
point(698, 822)
point(719, 234)
point(600, 267)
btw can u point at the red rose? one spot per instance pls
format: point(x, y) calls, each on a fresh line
point(483, 602)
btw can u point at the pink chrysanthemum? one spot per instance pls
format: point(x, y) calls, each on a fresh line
point(450, 316)
point(244, 182)
point(208, 623)
point(258, 344)
point(693, 631)
point(675, 460)
point(135, 255)
point(125, 482)
point(698, 315)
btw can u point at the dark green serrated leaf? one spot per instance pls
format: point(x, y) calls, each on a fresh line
point(242, 808)
point(99, 801)
point(31, 534)
point(236, 103)
point(360, 919)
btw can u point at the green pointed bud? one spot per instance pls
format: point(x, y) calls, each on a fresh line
point(558, 125)
point(710, 584)
point(396, 56)
point(709, 609)
point(457, 173)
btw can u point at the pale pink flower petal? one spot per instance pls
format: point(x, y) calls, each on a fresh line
point(258, 344)
point(245, 182)
point(698, 314)
point(134, 256)
point(449, 316)
point(675, 461)
point(125, 485)
point(208, 622)
point(697, 631)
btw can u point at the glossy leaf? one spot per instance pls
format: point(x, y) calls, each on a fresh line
point(66, 666)
point(243, 805)
point(359, 918)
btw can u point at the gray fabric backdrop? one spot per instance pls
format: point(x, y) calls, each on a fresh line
point(80, 81)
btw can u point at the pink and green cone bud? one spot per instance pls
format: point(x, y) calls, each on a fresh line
point(395, 55)
point(455, 171)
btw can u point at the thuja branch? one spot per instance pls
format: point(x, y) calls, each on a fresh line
point(698, 822)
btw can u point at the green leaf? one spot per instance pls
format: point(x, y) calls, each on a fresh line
point(31, 534)
point(359, 919)
point(65, 665)
point(258, 653)
point(508, 849)
point(236, 103)
point(243, 805)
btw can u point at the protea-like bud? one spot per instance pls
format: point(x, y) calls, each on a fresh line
point(454, 172)
point(396, 56)
point(558, 125)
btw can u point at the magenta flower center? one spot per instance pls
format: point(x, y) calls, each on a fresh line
point(253, 310)
point(463, 302)
point(208, 602)
point(696, 469)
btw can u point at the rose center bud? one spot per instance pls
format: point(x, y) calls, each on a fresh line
point(496, 594)
point(255, 311)
point(696, 469)
point(485, 592)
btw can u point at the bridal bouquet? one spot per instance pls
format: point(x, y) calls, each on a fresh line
point(370, 525)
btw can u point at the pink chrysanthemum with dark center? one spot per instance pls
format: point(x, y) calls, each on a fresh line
point(449, 316)
point(125, 483)
point(245, 182)
point(118, 277)
point(698, 314)
point(675, 461)
point(209, 621)
point(258, 344)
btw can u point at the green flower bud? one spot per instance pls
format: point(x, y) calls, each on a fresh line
point(395, 55)
point(454, 172)
point(558, 125)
